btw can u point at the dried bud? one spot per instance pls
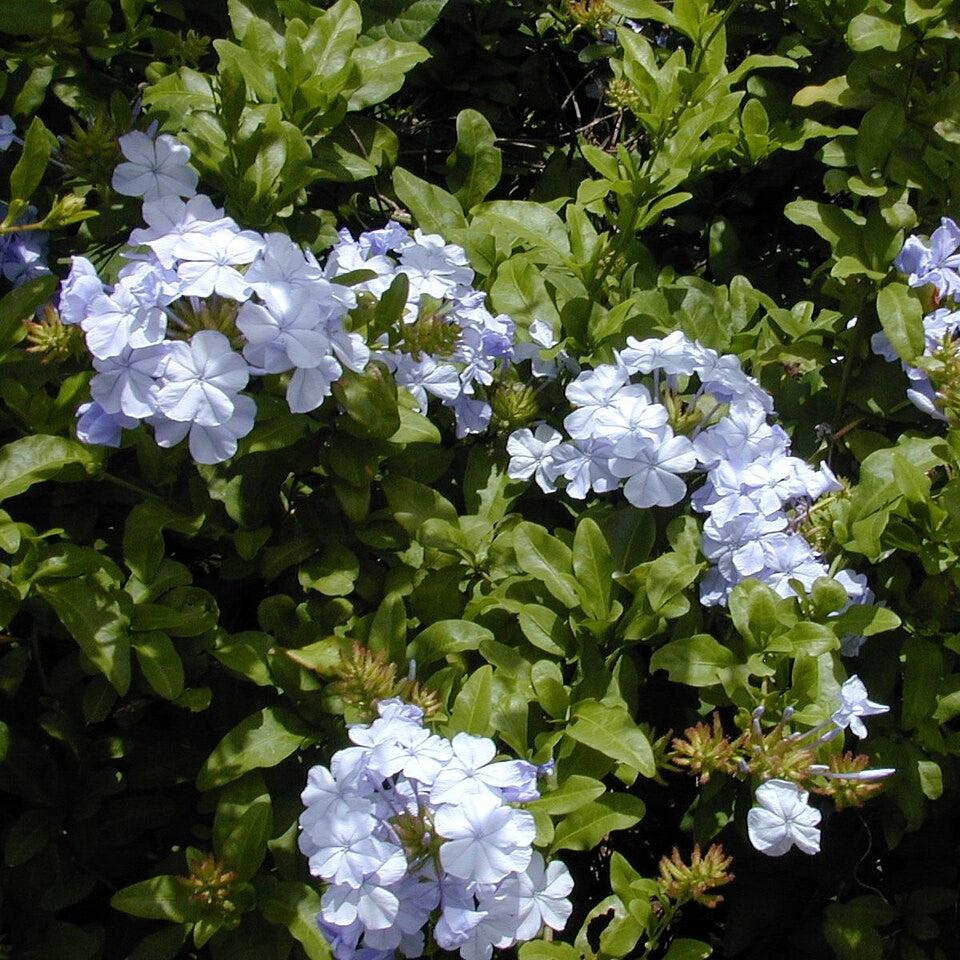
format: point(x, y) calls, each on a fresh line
point(213, 313)
point(215, 888)
point(622, 95)
point(433, 333)
point(704, 750)
point(848, 781)
point(366, 677)
point(591, 15)
point(91, 153)
point(682, 882)
point(51, 338)
point(514, 405)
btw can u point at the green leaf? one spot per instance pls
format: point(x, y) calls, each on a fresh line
point(143, 546)
point(548, 560)
point(369, 400)
point(333, 573)
point(548, 950)
point(851, 928)
point(414, 428)
point(696, 661)
point(247, 15)
point(863, 620)
point(263, 739)
point(401, 19)
point(552, 694)
point(630, 534)
point(473, 708)
point(622, 875)
point(901, 316)
point(413, 503)
point(388, 629)
point(30, 168)
point(435, 210)
point(931, 779)
point(644, 10)
point(474, 167)
point(759, 613)
point(612, 731)
point(880, 129)
point(526, 223)
point(383, 65)
point(160, 663)
point(588, 825)
point(572, 794)
point(684, 949)
point(243, 825)
point(519, 291)
point(160, 898)
point(165, 944)
point(26, 17)
point(34, 459)
point(27, 835)
point(295, 906)
point(96, 615)
point(544, 629)
point(593, 568)
point(19, 305)
point(867, 31)
point(840, 228)
point(445, 637)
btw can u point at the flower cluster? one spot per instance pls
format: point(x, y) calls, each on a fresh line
point(783, 817)
point(201, 306)
point(408, 827)
point(448, 345)
point(936, 266)
point(788, 769)
point(645, 437)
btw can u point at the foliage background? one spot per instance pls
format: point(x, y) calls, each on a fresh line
point(745, 173)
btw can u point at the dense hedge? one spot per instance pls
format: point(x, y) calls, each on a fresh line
point(695, 207)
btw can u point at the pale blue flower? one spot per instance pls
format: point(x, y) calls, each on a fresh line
point(372, 902)
point(170, 220)
point(208, 263)
point(208, 443)
point(434, 267)
point(119, 320)
point(201, 380)
point(783, 819)
point(81, 286)
point(538, 897)
point(652, 467)
point(585, 464)
point(594, 391)
point(8, 132)
point(854, 704)
point(531, 455)
point(674, 355)
point(348, 853)
point(936, 264)
point(289, 333)
point(96, 426)
point(154, 168)
point(485, 840)
point(127, 383)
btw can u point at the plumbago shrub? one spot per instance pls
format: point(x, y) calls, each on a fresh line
point(479, 476)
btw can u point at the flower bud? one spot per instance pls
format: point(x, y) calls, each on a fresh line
point(514, 405)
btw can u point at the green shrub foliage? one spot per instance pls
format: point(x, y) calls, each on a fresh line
point(182, 641)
